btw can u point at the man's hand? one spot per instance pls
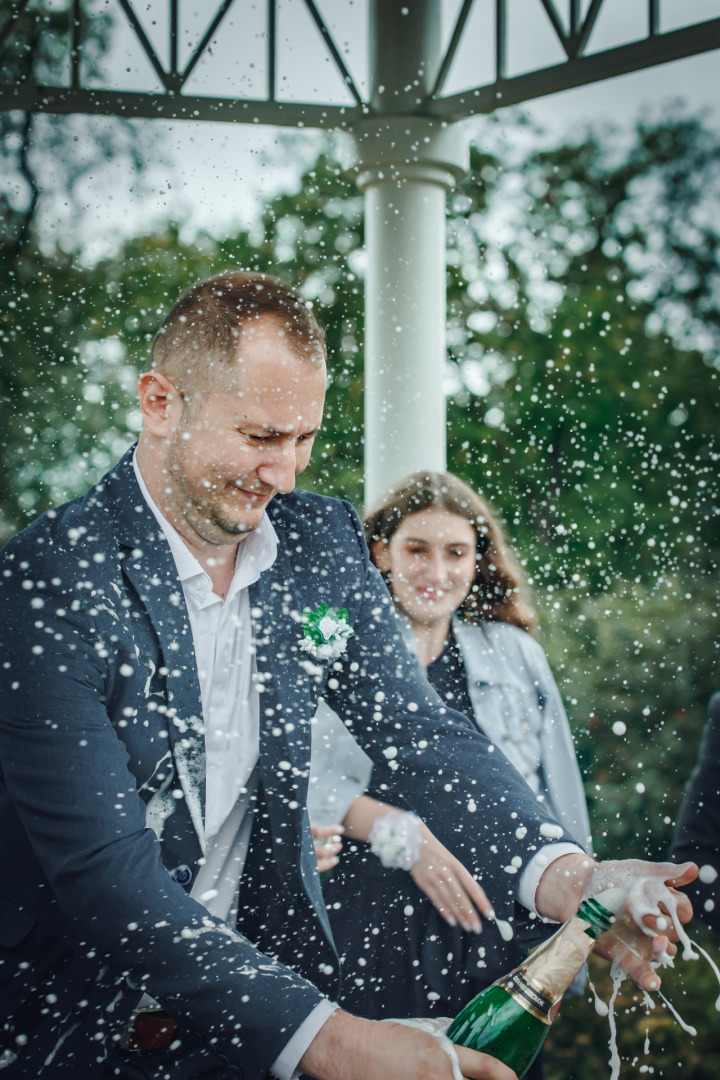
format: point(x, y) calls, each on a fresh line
point(572, 878)
point(327, 845)
point(452, 889)
point(645, 930)
point(350, 1048)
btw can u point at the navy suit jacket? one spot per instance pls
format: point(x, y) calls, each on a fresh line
point(101, 736)
point(697, 833)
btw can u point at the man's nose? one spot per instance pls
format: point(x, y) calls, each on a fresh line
point(278, 470)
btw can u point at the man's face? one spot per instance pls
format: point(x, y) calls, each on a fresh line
point(244, 441)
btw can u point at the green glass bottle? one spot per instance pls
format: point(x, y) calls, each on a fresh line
point(510, 1019)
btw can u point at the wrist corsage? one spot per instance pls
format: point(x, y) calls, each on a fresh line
point(396, 838)
point(326, 632)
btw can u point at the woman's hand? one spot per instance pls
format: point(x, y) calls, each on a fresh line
point(327, 845)
point(451, 888)
point(442, 877)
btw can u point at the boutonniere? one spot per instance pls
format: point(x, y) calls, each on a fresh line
point(326, 632)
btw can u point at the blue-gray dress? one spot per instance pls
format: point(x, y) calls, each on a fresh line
point(400, 957)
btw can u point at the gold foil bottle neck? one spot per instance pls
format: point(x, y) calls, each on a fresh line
point(539, 983)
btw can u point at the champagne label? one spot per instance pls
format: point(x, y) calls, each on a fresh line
point(525, 994)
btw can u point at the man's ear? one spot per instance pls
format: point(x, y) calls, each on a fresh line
point(380, 551)
point(160, 403)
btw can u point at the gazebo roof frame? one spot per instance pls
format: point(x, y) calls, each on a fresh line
point(579, 68)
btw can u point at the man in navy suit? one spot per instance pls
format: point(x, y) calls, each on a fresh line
point(160, 909)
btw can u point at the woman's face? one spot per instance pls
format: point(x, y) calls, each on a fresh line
point(431, 562)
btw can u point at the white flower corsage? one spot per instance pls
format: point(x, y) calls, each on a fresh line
point(326, 632)
point(396, 839)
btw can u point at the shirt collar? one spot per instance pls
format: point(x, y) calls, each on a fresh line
point(256, 553)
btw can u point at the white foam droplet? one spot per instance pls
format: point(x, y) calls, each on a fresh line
point(617, 975)
point(686, 1027)
point(550, 830)
point(714, 966)
point(505, 929)
point(600, 1007)
point(671, 902)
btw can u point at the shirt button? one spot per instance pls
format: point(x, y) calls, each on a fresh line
point(182, 874)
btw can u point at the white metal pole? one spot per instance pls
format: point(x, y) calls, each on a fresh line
point(405, 166)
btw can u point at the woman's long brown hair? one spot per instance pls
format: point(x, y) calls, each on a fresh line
point(499, 590)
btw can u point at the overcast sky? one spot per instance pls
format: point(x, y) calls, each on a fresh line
point(215, 176)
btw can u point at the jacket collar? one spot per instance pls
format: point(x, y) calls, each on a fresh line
point(148, 564)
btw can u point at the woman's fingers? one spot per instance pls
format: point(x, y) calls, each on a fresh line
point(327, 857)
point(454, 908)
point(327, 845)
point(450, 887)
point(477, 895)
point(460, 903)
point(449, 891)
point(326, 832)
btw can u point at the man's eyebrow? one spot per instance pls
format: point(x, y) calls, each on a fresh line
point(272, 432)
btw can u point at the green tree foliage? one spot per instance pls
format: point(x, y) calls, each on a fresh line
point(64, 394)
point(599, 417)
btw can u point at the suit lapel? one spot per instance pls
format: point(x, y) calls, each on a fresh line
point(290, 686)
point(150, 567)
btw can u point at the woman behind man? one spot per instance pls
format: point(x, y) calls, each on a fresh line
point(403, 935)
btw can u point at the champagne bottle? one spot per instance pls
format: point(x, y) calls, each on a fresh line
point(510, 1019)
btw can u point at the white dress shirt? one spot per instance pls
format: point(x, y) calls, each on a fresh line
point(227, 673)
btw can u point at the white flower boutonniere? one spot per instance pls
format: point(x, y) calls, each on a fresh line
point(326, 632)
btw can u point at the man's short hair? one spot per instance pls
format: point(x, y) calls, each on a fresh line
point(200, 338)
